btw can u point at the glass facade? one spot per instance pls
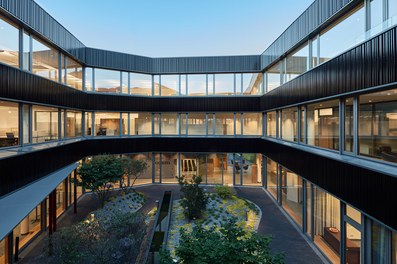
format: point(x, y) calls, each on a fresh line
point(108, 124)
point(107, 81)
point(289, 124)
point(297, 63)
point(73, 124)
point(9, 46)
point(45, 60)
point(140, 84)
point(322, 125)
point(9, 119)
point(45, 124)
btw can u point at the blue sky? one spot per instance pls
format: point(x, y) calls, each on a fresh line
point(168, 28)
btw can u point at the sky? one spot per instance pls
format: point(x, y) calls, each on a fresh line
point(176, 28)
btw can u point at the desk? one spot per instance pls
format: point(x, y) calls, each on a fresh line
point(352, 250)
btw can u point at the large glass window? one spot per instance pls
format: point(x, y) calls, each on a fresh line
point(196, 124)
point(349, 125)
point(292, 195)
point(107, 124)
point(273, 77)
point(169, 168)
point(252, 124)
point(9, 120)
point(224, 84)
point(170, 124)
point(169, 85)
point(26, 52)
point(289, 125)
point(45, 124)
point(378, 125)
point(376, 15)
point(352, 244)
point(141, 84)
point(89, 79)
point(379, 245)
point(45, 61)
point(251, 169)
point(146, 176)
point(197, 84)
point(343, 34)
point(74, 73)
point(224, 124)
point(252, 84)
point(9, 43)
point(193, 164)
point(271, 172)
point(73, 124)
point(297, 63)
point(323, 124)
point(107, 81)
point(271, 124)
point(88, 124)
point(124, 82)
point(140, 123)
point(215, 166)
point(29, 227)
point(327, 224)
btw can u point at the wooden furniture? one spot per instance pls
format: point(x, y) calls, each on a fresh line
point(333, 239)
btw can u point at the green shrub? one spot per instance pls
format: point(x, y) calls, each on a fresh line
point(224, 192)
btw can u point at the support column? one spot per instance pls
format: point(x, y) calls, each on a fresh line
point(9, 245)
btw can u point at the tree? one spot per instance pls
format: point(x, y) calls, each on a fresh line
point(100, 173)
point(228, 244)
point(194, 200)
point(137, 168)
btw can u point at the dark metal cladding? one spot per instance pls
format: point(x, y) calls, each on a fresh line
point(337, 177)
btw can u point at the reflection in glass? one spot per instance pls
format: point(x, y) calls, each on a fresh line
point(140, 123)
point(74, 73)
point(26, 124)
point(197, 84)
point(273, 77)
point(271, 172)
point(215, 166)
point(297, 63)
point(379, 245)
point(26, 52)
point(146, 176)
point(323, 124)
point(124, 82)
point(378, 125)
point(344, 34)
point(252, 84)
point(141, 84)
point(45, 124)
point(224, 84)
point(169, 85)
point(9, 43)
point(29, 227)
point(292, 195)
point(45, 61)
point(9, 128)
point(88, 79)
point(196, 124)
point(107, 81)
point(289, 124)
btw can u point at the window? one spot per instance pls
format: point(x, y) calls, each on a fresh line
point(272, 181)
point(73, 124)
point(323, 124)
point(140, 123)
point(9, 120)
point(273, 77)
point(196, 124)
point(224, 84)
point(107, 81)
point(141, 84)
point(252, 84)
point(289, 125)
point(349, 125)
point(378, 125)
point(251, 169)
point(297, 63)
point(107, 124)
point(170, 124)
point(72, 73)
point(45, 60)
point(271, 124)
point(9, 43)
point(169, 85)
point(342, 35)
point(45, 124)
point(197, 85)
point(252, 124)
point(224, 124)
point(292, 194)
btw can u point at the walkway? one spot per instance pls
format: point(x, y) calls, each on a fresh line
point(286, 238)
